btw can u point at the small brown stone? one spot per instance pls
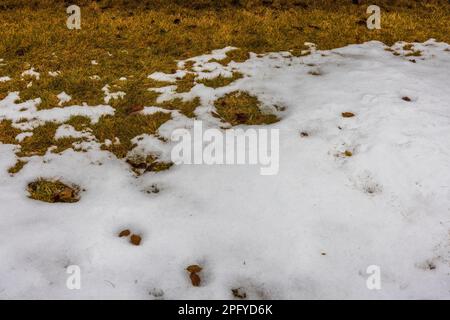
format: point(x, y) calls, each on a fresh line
point(66, 194)
point(408, 99)
point(135, 239)
point(195, 279)
point(194, 268)
point(124, 233)
point(348, 153)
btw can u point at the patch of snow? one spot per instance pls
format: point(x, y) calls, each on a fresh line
point(112, 95)
point(218, 54)
point(17, 112)
point(63, 98)
point(4, 79)
point(54, 73)
point(68, 131)
point(167, 77)
point(31, 73)
point(21, 136)
point(152, 110)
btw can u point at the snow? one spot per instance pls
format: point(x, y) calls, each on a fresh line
point(68, 131)
point(112, 95)
point(54, 73)
point(5, 79)
point(161, 76)
point(218, 54)
point(63, 98)
point(17, 112)
point(31, 73)
point(308, 232)
point(21, 136)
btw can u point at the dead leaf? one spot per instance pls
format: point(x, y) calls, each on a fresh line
point(195, 279)
point(348, 114)
point(135, 239)
point(124, 233)
point(194, 268)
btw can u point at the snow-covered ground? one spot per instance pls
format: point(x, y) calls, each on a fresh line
point(308, 232)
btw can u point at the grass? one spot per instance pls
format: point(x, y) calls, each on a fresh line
point(17, 167)
point(185, 107)
point(133, 39)
point(53, 191)
point(8, 133)
point(125, 128)
point(42, 139)
point(147, 163)
point(221, 81)
point(241, 108)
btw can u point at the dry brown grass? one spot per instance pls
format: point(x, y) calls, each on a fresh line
point(241, 108)
point(133, 43)
point(8, 133)
point(125, 128)
point(185, 107)
point(221, 81)
point(53, 191)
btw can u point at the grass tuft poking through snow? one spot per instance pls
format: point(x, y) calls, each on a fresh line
point(240, 107)
point(221, 81)
point(147, 163)
point(53, 191)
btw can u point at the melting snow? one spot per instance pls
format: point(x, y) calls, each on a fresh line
point(309, 232)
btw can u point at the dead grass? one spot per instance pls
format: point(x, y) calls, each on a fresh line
point(414, 54)
point(42, 139)
point(133, 43)
point(186, 83)
point(125, 128)
point(241, 108)
point(53, 191)
point(17, 167)
point(7, 132)
point(221, 81)
point(185, 107)
point(147, 163)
